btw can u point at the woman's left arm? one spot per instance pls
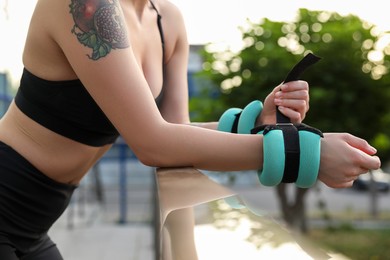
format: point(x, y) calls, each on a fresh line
point(174, 104)
point(291, 98)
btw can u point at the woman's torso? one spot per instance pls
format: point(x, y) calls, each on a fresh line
point(61, 158)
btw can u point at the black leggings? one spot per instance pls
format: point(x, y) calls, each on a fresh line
point(30, 202)
point(44, 249)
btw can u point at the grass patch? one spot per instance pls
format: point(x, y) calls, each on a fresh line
point(355, 244)
point(348, 215)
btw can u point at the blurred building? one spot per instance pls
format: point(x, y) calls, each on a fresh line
point(194, 66)
point(5, 93)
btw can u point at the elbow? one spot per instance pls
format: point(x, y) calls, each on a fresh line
point(149, 159)
point(153, 152)
point(157, 148)
point(152, 158)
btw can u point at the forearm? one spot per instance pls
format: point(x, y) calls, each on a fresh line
point(207, 125)
point(177, 145)
point(343, 156)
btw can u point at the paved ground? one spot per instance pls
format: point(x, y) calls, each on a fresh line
point(105, 241)
point(120, 226)
point(117, 228)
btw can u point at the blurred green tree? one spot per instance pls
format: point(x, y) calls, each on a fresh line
point(349, 87)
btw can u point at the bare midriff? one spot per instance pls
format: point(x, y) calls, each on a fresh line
point(60, 158)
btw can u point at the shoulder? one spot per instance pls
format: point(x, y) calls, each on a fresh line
point(168, 10)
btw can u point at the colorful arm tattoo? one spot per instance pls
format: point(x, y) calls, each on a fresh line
point(99, 25)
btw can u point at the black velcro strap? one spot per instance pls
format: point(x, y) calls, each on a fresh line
point(304, 127)
point(235, 123)
point(294, 74)
point(292, 152)
point(291, 138)
point(301, 66)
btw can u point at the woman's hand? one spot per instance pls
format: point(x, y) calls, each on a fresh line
point(343, 158)
point(292, 100)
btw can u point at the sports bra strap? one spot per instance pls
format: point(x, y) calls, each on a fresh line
point(160, 29)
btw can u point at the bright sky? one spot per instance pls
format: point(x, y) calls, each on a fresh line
point(206, 20)
point(217, 20)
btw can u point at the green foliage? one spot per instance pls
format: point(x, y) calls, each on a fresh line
point(349, 87)
point(355, 244)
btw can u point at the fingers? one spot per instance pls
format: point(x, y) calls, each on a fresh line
point(296, 117)
point(360, 144)
point(339, 180)
point(339, 183)
point(355, 142)
point(296, 98)
point(362, 153)
point(294, 86)
point(293, 100)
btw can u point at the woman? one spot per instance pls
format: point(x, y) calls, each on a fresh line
point(98, 68)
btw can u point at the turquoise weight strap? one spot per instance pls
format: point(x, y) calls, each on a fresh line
point(273, 158)
point(228, 119)
point(310, 156)
point(242, 121)
point(296, 142)
point(249, 116)
point(274, 155)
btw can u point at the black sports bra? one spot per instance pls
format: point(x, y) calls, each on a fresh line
point(66, 107)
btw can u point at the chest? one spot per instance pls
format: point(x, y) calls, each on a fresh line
point(146, 43)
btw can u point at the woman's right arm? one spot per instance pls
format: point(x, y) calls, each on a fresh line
point(117, 84)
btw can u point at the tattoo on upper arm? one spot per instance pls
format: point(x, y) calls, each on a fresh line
point(99, 25)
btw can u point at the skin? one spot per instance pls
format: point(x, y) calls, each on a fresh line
point(127, 78)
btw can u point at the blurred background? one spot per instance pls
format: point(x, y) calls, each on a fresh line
point(240, 50)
